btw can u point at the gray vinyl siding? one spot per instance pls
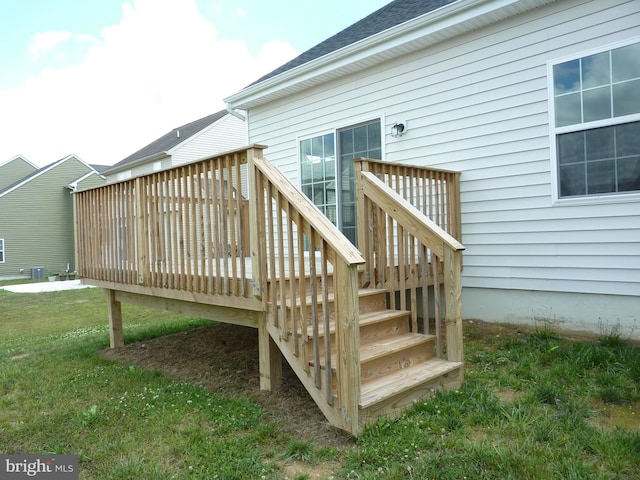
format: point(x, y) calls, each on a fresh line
point(36, 221)
point(228, 133)
point(478, 103)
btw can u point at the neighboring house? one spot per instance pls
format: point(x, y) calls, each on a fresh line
point(535, 102)
point(36, 214)
point(209, 135)
point(15, 169)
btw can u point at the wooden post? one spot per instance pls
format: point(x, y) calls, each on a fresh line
point(362, 216)
point(270, 357)
point(114, 309)
point(256, 225)
point(453, 302)
point(347, 344)
point(142, 233)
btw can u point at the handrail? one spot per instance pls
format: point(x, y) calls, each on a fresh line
point(306, 273)
point(320, 223)
point(402, 243)
point(434, 192)
point(424, 229)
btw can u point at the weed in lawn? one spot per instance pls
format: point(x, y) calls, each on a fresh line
point(299, 451)
point(549, 393)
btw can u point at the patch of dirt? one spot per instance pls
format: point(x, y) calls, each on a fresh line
point(506, 395)
point(298, 469)
point(224, 359)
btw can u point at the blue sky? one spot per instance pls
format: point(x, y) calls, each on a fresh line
point(102, 78)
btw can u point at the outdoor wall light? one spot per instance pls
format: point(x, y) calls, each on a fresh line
point(399, 129)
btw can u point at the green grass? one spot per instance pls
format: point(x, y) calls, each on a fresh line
point(533, 405)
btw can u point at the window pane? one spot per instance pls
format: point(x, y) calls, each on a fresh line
point(346, 140)
point(626, 62)
point(329, 148)
point(360, 141)
point(572, 181)
point(629, 174)
point(595, 70)
point(601, 177)
point(628, 139)
point(568, 110)
point(571, 148)
point(317, 167)
point(374, 137)
point(597, 104)
point(376, 153)
point(566, 77)
point(626, 98)
point(599, 144)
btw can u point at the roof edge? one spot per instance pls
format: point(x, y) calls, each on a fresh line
point(445, 22)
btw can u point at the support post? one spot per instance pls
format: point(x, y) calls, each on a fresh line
point(453, 303)
point(363, 223)
point(348, 344)
point(114, 309)
point(256, 224)
point(270, 357)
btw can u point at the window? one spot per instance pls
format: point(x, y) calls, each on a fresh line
point(328, 179)
point(318, 173)
point(1, 250)
point(596, 104)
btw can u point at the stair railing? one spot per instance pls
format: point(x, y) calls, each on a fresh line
point(301, 261)
point(407, 253)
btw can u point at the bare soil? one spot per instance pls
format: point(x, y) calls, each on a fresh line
point(224, 359)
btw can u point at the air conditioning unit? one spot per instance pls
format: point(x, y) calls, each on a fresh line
point(37, 273)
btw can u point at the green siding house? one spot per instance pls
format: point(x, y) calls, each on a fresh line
point(14, 170)
point(36, 215)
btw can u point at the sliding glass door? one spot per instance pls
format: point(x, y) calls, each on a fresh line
point(329, 179)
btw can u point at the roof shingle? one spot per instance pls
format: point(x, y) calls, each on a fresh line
point(391, 15)
point(171, 139)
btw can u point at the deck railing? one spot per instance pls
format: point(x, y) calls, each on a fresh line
point(406, 252)
point(307, 264)
point(182, 229)
point(183, 234)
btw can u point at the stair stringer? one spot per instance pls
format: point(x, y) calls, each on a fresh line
point(333, 412)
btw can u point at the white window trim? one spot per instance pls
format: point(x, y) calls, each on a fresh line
point(4, 251)
point(553, 132)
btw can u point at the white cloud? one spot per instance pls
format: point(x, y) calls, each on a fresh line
point(241, 12)
point(160, 67)
point(46, 41)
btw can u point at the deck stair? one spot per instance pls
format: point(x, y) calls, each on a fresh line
point(397, 366)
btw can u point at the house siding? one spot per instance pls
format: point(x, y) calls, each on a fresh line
point(226, 134)
point(478, 103)
point(14, 170)
point(36, 221)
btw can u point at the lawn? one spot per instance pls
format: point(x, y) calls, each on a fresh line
point(533, 405)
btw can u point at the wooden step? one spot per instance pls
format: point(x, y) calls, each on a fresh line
point(370, 300)
point(410, 383)
point(384, 356)
point(380, 324)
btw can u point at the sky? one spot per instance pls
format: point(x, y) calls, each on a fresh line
point(103, 78)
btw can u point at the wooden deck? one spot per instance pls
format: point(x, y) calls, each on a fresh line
point(230, 238)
